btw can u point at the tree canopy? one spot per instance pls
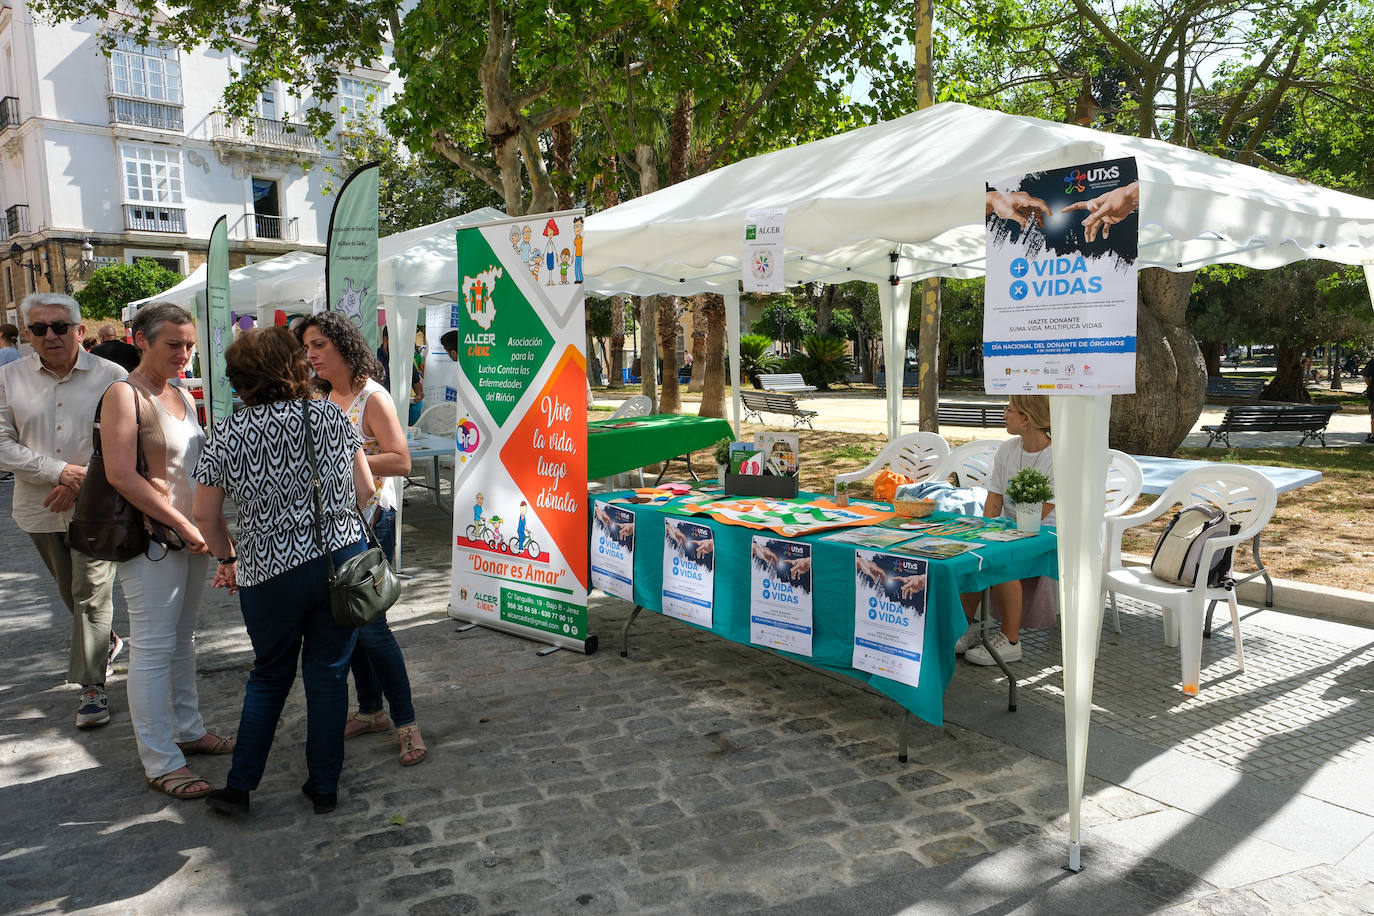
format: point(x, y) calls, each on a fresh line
point(111, 288)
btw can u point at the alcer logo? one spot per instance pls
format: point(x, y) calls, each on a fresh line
point(1077, 180)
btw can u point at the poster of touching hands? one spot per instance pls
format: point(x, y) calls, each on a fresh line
point(780, 594)
point(889, 615)
point(1060, 309)
point(689, 571)
point(613, 549)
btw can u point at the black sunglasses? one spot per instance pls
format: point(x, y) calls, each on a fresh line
point(40, 328)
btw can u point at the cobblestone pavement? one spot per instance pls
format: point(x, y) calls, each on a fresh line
point(695, 776)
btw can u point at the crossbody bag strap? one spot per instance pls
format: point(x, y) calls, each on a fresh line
point(140, 461)
point(315, 487)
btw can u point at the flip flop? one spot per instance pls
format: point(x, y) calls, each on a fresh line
point(178, 785)
point(413, 748)
point(207, 744)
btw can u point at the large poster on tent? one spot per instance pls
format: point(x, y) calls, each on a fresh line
point(218, 333)
point(350, 269)
point(520, 494)
point(1060, 307)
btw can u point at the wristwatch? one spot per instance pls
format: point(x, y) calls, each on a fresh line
point(225, 561)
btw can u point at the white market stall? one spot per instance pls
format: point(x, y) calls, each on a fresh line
point(903, 200)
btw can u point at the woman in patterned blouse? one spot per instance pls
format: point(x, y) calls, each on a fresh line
point(258, 456)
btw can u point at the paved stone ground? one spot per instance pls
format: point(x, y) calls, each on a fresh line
point(695, 776)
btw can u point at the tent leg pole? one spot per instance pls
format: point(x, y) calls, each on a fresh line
point(1075, 858)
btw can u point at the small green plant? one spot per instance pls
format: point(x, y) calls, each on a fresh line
point(722, 451)
point(824, 361)
point(841, 486)
point(755, 358)
point(1029, 486)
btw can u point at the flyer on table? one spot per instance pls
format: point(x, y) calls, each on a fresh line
point(889, 615)
point(613, 549)
point(780, 594)
point(1060, 307)
point(689, 571)
point(520, 493)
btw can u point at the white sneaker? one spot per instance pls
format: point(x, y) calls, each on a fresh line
point(968, 640)
point(1005, 649)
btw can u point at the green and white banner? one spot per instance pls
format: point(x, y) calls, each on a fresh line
point(350, 267)
point(218, 331)
point(520, 484)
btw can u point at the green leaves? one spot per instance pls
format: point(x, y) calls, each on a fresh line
point(111, 288)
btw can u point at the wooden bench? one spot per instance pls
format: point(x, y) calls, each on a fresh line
point(1234, 387)
point(1273, 418)
point(786, 382)
point(775, 402)
point(989, 416)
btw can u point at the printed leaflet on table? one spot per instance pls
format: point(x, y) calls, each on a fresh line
point(889, 615)
point(689, 571)
point(788, 517)
point(780, 595)
point(937, 548)
point(613, 549)
point(870, 536)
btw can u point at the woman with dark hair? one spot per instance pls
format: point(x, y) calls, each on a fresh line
point(344, 371)
point(259, 456)
point(163, 585)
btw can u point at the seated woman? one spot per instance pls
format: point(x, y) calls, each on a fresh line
point(1028, 420)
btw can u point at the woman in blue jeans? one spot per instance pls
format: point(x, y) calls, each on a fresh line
point(258, 456)
point(345, 372)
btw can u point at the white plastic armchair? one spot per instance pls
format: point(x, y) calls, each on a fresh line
point(970, 463)
point(1249, 498)
point(913, 455)
point(638, 405)
point(1124, 482)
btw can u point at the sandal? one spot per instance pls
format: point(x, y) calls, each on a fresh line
point(413, 748)
point(207, 744)
point(365, 723)
point(179, 785)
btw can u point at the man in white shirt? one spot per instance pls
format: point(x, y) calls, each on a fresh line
point(47, 404)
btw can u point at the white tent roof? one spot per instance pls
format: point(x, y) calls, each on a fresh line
point(915, 185)
point(243, 282)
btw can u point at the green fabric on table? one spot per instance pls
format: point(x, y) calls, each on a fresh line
point(614, 447)
point(832, 566)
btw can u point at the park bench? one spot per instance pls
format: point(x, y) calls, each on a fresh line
point(785, 382)
point(1273, 418)
point(775, 402)
point(1234, 387)
point(984, 415)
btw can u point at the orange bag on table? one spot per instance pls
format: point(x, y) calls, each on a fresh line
point(886, 483)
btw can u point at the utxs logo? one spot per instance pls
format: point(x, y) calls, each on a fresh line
point(1077, 181)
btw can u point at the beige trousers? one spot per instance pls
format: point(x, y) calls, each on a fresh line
point(87, 588)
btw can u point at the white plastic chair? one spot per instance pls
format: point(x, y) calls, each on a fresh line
point(1124, 483)
point(1249, 498)
point(913, 455)
point(436, 420)
point(970, 463)
point(638, 405)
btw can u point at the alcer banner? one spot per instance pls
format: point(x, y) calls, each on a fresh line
point(1060, 306)
point(520, 495)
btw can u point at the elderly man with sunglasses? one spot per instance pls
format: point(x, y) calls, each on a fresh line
point(47, 405)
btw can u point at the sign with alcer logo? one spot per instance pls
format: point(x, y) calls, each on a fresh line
point(1060, 307)
point(761, 263)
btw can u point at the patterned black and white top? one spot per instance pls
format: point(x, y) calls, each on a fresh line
point(258, 456)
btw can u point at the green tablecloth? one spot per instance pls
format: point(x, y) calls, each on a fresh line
point(833, 597)
point(616, 446)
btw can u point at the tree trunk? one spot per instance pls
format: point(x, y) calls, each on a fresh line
point(648, 349)
point(563, 164)
point(698, 345)
point(1170, 379)
point(1288, 384)
point(1212, 352)
point(670, 400)
point(825, 308)
point(930, 377)
point(711, 311)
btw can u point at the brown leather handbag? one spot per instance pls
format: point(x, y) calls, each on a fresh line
point(105, 525)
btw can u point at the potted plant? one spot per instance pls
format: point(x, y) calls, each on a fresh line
point(841, 493)
point(722, 456)
point(1028, 491)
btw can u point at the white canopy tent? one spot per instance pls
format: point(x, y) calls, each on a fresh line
point(903, 200)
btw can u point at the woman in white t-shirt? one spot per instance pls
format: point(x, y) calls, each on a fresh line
point(345, 371)
point(1028, 420)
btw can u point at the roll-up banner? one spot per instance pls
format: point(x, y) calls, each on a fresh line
point(1060, 313)
point(350, 266)
point(218, 333)
point(520, 515)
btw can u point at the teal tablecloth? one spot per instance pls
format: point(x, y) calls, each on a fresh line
point(833, 597)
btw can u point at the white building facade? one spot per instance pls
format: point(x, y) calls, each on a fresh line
point(106, 159)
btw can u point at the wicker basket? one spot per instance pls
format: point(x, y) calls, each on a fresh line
point(913, 508)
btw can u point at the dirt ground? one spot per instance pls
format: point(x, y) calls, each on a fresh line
point(1322, 533)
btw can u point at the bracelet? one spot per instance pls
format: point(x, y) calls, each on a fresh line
point(227, 560)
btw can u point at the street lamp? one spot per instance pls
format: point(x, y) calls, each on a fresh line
point(87, 255)
point(17, 252)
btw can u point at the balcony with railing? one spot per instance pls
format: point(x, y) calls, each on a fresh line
point(9, 112)
point(154, 218)
point(273, 228)
point(17, 219)
point(143, 113)
point(262, 133)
